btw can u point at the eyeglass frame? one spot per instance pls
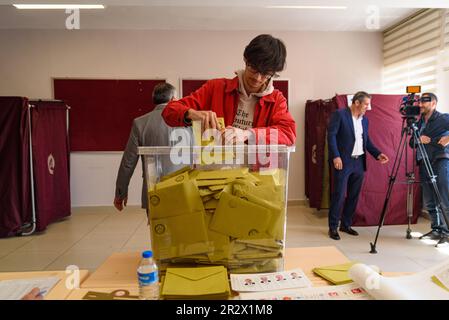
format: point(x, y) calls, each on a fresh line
point(266, 76)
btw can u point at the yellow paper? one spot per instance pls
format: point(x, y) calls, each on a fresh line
point(174, 196)
point(239, 218)
point(178, 236)
point(439, 283)
point(222, 174)
point(201, 282)
point(337, 274)
point(219, 242)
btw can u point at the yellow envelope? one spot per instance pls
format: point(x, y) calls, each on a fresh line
point(211, 204)
point(239, 218)
point(218, 242)
point(175, 173)
point(205, 192)
point(271, 176)
point(196, 283)
point(266, 244)
point(218, 187)
point(179, 236)
point(221, 174)
point(439, 283)
point(199, 139)
point(242, 187)
point(213, 182)
point(274, 229)
point(337, 274)
point(174, 196)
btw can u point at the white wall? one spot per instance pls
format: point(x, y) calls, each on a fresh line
point(319, 64)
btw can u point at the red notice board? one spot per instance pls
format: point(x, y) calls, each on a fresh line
point(102, 110)
point(189, 85)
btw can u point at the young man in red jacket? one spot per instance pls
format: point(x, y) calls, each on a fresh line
point(252, 109)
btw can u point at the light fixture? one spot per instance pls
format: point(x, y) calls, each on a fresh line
point(58, 6)
point(308, 7)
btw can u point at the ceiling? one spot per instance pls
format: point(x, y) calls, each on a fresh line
point(218, 15)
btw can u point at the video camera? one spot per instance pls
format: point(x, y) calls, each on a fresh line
point(410, 104)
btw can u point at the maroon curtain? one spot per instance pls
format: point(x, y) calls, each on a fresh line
point(15, 194)
point(313, 185)
point(385, 125)
point(51, 161)
point(317, 118)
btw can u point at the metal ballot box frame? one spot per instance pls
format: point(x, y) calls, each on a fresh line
point(218, 205)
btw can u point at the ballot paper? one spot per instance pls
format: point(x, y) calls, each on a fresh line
point(349, 291)
point(418, 286)
point(270, 281)
point(16, 289)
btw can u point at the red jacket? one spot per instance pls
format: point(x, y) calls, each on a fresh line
point(222, 97)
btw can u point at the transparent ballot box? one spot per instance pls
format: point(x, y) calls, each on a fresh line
point(218, 206)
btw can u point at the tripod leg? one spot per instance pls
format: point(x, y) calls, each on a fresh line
point(396, 165)
point(410, 183)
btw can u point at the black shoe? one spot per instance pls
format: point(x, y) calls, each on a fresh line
point(333, 234)
point(432, 235)
point(349, 230)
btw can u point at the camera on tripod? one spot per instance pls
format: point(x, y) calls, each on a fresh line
point(410, 104)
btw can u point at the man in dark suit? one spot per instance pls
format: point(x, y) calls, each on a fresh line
point(348, 142)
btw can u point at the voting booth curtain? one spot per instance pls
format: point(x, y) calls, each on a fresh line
point(15, 189)
point(50, 158)
point(385, 125)
point(317, 171)
point(50, 161)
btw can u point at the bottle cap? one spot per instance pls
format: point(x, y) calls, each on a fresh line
point(147, 254)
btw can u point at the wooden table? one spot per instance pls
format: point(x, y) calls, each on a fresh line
point(119, 270)
point(59, 291)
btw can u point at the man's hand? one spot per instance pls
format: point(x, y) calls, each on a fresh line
point(208, 119)
point(233, 135)
point(382, 158)
point(425, 139)
point(120, 203)
point(444, 141)
point(33, 295)
point(338, 164)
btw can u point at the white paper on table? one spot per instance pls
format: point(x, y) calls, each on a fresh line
point(418, 286)
point(270, 281)
point(16, 289)
point(350, 291)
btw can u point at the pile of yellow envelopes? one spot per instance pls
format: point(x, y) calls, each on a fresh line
point(229, 217)
point(196, 283)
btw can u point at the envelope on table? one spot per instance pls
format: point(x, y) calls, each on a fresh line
point(239, 218)
point(195, 283)
point(337, 274)
point(180, 235)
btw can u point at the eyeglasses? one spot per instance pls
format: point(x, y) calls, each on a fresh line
point(266, 75)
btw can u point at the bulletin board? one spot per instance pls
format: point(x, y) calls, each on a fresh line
point(102, 110)
point(190, 85)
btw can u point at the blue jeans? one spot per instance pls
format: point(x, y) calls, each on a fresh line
point(441, 170)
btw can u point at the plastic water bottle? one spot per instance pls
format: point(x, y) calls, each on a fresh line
point(148, 277)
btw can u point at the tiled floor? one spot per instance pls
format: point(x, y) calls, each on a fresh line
point(91, 234)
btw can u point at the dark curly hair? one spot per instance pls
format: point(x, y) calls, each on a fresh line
point(266, 54)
